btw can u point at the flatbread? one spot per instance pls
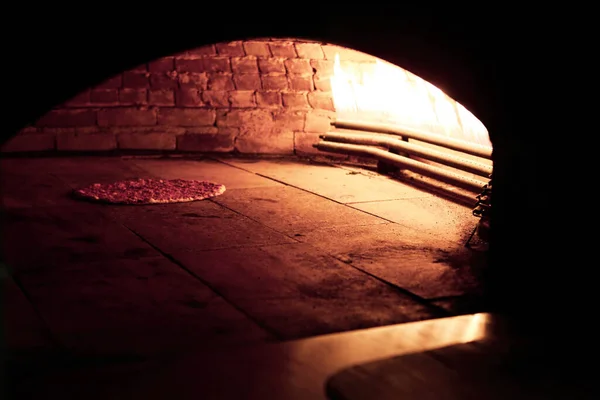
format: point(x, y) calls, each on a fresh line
point(150, 191)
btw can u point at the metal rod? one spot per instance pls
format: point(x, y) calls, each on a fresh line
point(398, 160)
point(455, 144)
point(410, 148)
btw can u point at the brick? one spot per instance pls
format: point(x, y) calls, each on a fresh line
point(172, 130)
point(283, 49)
point(162, 65)
point(126, 117)
point(322, 67)
point(80, 100)
point(321, 100)
point(292, 119)
point(29, 143)
point(211, 64)
point(268, 99)
point(220, 142)
point(188, 98)
point(133, 97)
point(114, 82)
point(322, 83)
point(317, 121)
point(135, 80)
point(301, 82)
point(271, 65)
point(244, 65)
point(310, 50)
point(27, 130)
point(231, 49)
point(146, 141)
point(205, 130)
point(247, 81)
point(68, 118)
point(217, 81)
point(161, 98)
point(242, 99)
point(274, 82)
point(209, 50)
point(189, 65)
point(193, 80)
point(240, 118)
point(217, 64)
point(303, 143)
point(186, 117)
point(163, 81)
point(104, 97)
point(86, 142)
point(216, 98)
point(258, 140)
point(76, 129)
point(257, 48)
point(298, 66)
point(294, 100)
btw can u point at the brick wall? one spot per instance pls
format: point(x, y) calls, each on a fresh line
point(261, 96)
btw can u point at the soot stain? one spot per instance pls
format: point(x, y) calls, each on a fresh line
point(267, 200)
point(137, 252)
point(196, 215)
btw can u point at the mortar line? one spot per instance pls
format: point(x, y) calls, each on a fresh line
point(308, 191)
point(355, 202)
point(293, 237)
point(326, 198)
point(421, 300)
point(212, 200)
point(207, 284)
point(50, 335)
point(382, 201)
point(415, 297)
point(313, 193)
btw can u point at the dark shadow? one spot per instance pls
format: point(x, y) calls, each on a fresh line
point(481, 62)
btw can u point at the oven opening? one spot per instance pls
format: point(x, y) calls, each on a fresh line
point(356, 195)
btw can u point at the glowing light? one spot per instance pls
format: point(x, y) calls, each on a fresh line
point(383, 92)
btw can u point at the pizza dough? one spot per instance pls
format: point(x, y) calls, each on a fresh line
point(150, 191)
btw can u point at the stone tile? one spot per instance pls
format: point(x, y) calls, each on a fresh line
point(80, 171)
point(231, 177)
point(434, 215)
point(148, 306)
point(297, 291)
point(46, 237)
point(421, 263)
point(335, 183)
point(23, 328)
point(201, 225)
point(301, 318)
point(292, 211)
point(29, 189)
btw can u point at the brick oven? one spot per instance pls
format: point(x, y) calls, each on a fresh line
point(270, 96)
point(262, 96)
point(274, 96)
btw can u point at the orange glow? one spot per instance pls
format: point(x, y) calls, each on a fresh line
point(383, 92)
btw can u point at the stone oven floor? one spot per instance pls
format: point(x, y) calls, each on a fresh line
point(292, 249)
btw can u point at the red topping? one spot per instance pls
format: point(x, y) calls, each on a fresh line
point(148, 191)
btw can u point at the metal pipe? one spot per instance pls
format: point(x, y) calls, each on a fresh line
point(410, 148)
point(404, 162)
point(455, 144)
